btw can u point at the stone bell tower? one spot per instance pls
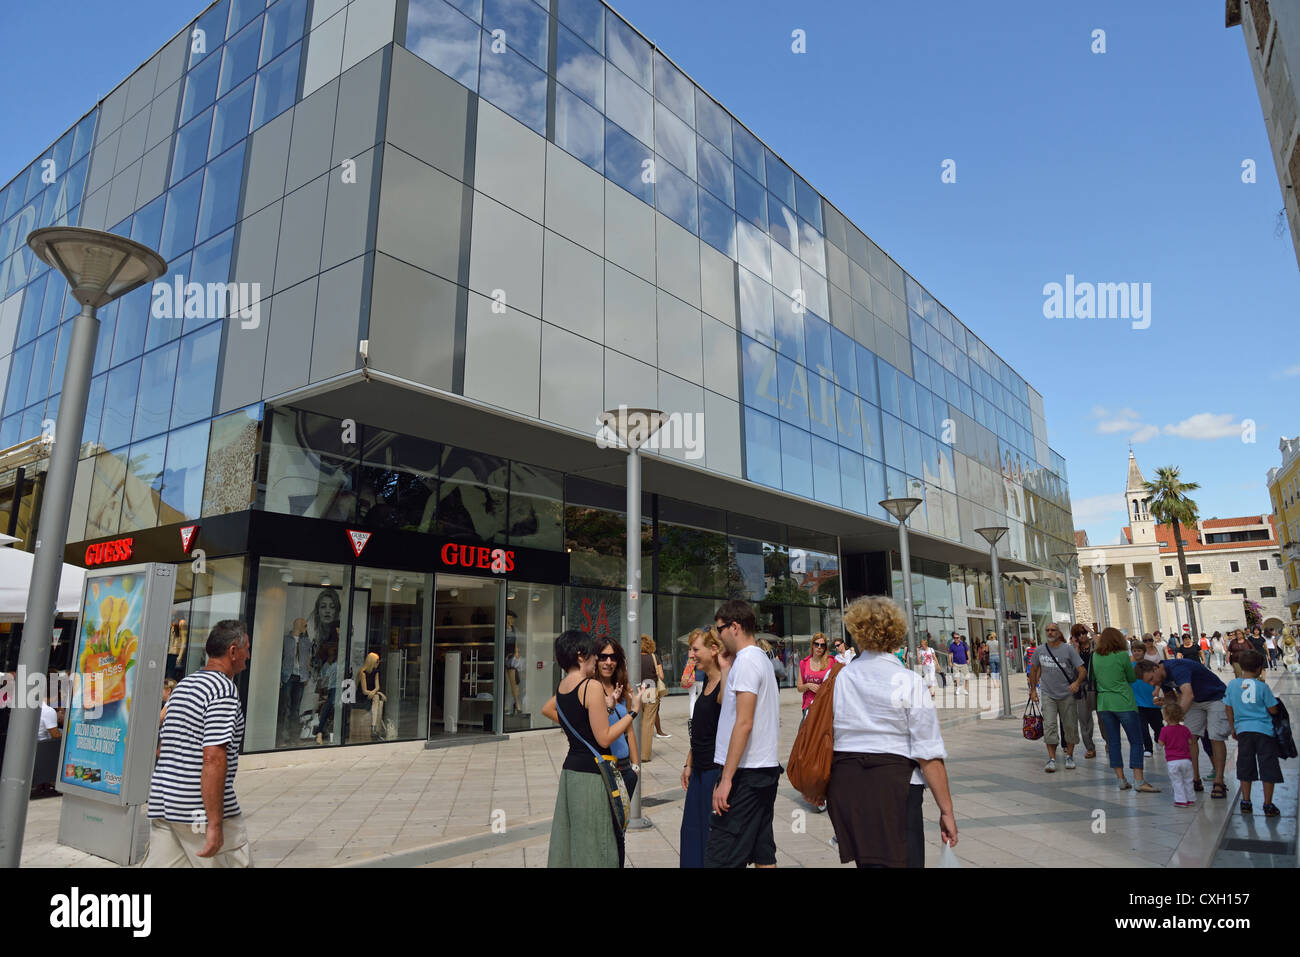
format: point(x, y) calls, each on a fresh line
point(1143, 526)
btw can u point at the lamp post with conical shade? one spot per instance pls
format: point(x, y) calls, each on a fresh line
point(100, 267)
point(992, 535)
point(634, 427)
point(901, 508)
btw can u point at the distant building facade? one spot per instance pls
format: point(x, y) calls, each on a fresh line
point(1284, 490)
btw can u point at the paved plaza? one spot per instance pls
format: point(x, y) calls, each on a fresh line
point(490, 804)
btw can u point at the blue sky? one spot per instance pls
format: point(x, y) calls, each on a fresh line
point(1123, 166)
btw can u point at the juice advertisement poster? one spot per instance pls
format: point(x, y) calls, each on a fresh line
point(107, 644)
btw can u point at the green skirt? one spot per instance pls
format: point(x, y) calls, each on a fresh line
point(582, 830)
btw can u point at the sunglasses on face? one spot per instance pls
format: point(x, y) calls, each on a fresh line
point(819, 644)
point(607, 657)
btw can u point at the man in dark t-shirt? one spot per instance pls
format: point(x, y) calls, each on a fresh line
point(1200, 693)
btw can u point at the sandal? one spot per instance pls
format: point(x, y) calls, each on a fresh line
point(1146, 787)
point(1124, 785)
point(1197, 785)
point(1218, 791)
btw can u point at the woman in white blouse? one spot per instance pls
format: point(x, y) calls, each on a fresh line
point(887, 747)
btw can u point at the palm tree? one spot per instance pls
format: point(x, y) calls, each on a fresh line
point(1169, 505)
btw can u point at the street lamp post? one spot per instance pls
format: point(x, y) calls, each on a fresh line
point(1101, 571)
point(1175, 594)
point(901, 508)
point(993, 535)
point(100, 267)
point(1200, 618)
point(1135, 583)
point(1155, 603)
point(634, 428)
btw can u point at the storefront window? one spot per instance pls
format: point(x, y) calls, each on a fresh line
point(300, 656)
point(678, 617)
point(472, 498)
point(388, 620)
point(534, 617)
point(232, 453)
point(311, 467)
point(536, 507)
point(694, 560)
point(217, 594)
point(399, 480)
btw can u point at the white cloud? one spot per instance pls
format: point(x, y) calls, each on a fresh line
point(1097, 510)
point(1206, 426)
point(1294, 370)
point(1124, 420)
point(1145, 434)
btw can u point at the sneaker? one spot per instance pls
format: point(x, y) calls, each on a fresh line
point(1050, 766)
point(1270, 810)
point(1184, 804)
point(1146, 754)
point(1247, 808)
point(662, 734)
point(821, 808)
point(1069, 763)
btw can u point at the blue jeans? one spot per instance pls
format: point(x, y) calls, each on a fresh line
point(995, 665)
point(695, 815)
point(1111, 722)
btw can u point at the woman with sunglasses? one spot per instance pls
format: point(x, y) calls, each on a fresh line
point(611, 670)
point(700, 774)
point(813, 671)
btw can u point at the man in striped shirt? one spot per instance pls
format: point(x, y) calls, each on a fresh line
point(195, 819)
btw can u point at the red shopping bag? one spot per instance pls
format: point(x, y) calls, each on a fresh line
point(1033, 721)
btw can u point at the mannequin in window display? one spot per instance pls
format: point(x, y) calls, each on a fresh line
point(296, 666)
point(176, 648)
point(514, 663)
point(326, 684)
point(368, 710)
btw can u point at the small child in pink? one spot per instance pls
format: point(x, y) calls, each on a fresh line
point(1177, 741)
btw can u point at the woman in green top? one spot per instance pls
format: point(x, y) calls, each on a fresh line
point(1117, 708)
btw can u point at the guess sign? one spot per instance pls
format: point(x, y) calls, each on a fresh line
point(497, 560)
point(118, 550)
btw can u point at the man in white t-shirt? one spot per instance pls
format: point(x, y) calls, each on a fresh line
point(740, 828)
point(48, 728)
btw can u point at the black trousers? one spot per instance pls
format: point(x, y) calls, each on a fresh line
point(915, 826)
point(1152, 721)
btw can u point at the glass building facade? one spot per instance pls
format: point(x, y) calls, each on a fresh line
point(527, 214)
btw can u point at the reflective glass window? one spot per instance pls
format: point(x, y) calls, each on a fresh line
point(29, 320)
point(817, 336)
point(808, 203)
point(780, 178)
point(438, 34)
point(821, 407)
point(843, 357)
point(782, 225)
point(586, 18)
point(758, 364)
point(146, 227)
point(848, 419)
point(309, 469)
point(230, 122)
point(166, 311)
point(796, 461)
point(153, 403)
point(717, 224)
point(826, 471)
point(762, 449)
point(675, 196)
point(888, 386)
point(232, 450)
point(874, 474)
point(284, 27)
point(191, 147)
point(525, 25)
point(912, 455)
point(42, 361)
point(713, 122)
point(715, 172)
point(82, 140)
point(220, 202)
point(241, 11)
point(132, 322)
point(211, 264)
point(196, 376)
point(627, 163)
point(812, 248)
point(106, 494)
point(471, 8)
point(756, 308)
point(119, 404)
point(398, 481)
point(629, 106)
point(940, 408)
point(11, 430)
point(94, 410)
point(182, 213)
point(536, 507)
point(751, 200)
point(52, 309)
point(673, 89)
point(209, 32)
point(277, 86)
point(625, 48)
point(907, 400)
point(580, 68)
point(579, 129)
point(510, 82)
point(892, 432)
point(853, 486)
point(182, 485)
point(925, 412)
point(674, 140)
point(788, 327)
point(753, 249)
point(793, 385)
point(143, 486)
point(747, 151)
point(200, 89)
point(472, 495)
point(107, 332)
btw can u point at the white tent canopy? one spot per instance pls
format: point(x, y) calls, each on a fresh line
point(16, 580)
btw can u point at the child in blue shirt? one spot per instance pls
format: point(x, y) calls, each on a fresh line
point(1250, 702)
point(1150, 716)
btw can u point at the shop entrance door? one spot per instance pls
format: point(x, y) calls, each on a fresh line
point(465, 692)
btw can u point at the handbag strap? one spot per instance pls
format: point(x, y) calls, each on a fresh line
point(572, 730)
point(1058, 664)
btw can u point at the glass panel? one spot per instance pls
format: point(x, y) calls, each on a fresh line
point(143, 486)
point(119, 405)
point(596, 540)
point(692, 560)
point(299, 662)
point(852, 484)
point(780, 178)
point(808, 202)
point(796, 461)
point(762, 449)
point(196, 376)
point(42, 360)
point(579, 129)
point(751, 201)
point(284, 26)
point(580, 68)
point(232, 451)
point(586, 18)
point(107, 330)
point(472, 497)
point(310, 471)
point(440, 35)
point(153, 402)
point(230, 122)
point(132, 322)
point(627, 50)
point(166, 311)
point(629, 106)
point(715, 172)
point(213, 27)
point(713, 122)
point(106, 494)
point(241, 11)
point(673, 89)
point(536, 507)
point(753, 249)
point(191, 146)
point(675, 140)
point(534, 615)
point(277, 87)
point(221, 185)
point(398, 481)
point(756, 308)
point(182, 486)
point(759, 364)
point(888, 387)
point(388, 622)
point(675, 196)
point(628, 163)
point(747, 151)
point(94, 411)
point(717, 224)
point(182, 213)
point(200, 89)
point(817, 335)
point(146, 227)
point(510, 82)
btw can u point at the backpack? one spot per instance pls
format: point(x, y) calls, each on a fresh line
point(1282, 730)
point(809, 767)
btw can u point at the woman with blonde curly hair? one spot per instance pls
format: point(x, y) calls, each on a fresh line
point(701, 772)
point(887, 747)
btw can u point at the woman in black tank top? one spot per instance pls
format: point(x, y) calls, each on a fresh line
point(582, 829)
point(701, 771)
